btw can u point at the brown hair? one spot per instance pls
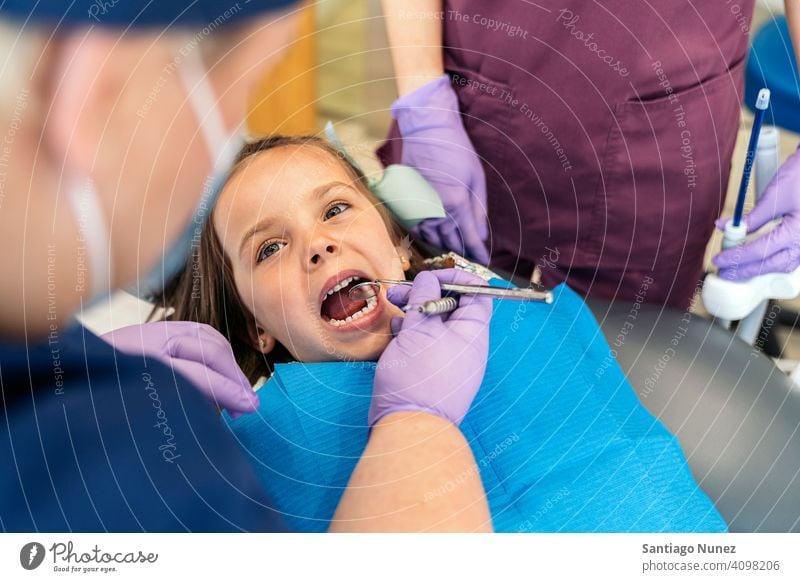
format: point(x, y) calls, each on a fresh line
point(205, 291)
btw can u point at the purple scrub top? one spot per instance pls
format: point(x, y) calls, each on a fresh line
point(606, 131)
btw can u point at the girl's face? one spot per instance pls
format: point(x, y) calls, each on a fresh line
point(298, 233)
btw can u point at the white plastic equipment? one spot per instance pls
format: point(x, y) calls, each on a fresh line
point(747, 301)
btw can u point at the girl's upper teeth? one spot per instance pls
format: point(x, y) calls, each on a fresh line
point(341, 285)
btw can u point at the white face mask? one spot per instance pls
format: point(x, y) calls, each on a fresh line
point(223, 148)
point(93, 228)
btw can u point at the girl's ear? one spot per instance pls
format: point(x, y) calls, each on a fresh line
point(405, 262)
point(404, 252)
point(265, 343)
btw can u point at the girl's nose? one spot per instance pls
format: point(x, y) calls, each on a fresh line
point(329, 249)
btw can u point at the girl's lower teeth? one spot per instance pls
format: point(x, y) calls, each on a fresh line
point(371, 303)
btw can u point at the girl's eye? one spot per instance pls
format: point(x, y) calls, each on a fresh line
point(337, 208)
point(268, 250)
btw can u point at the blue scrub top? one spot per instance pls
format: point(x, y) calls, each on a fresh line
point(135, 12)
point(92, 440)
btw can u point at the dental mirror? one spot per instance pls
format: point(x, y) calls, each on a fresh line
point(364, 291)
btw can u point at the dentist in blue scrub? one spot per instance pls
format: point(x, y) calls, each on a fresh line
point(95, 440)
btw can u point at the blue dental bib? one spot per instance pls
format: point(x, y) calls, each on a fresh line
point(559, 437)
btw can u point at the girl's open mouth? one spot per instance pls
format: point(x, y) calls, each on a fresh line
point(341, 311)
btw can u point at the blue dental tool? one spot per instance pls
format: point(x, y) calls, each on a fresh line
point(762, 102)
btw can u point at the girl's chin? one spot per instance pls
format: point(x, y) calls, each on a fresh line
point(367, 351)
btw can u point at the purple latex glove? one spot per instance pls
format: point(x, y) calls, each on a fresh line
point(778, 251)
point(198, 352)
point(437, 362)
point(437, 145)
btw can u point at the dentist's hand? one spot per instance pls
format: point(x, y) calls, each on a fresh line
point(437, 145)
point(437, 362)
point(778, 251)
point(198, 352)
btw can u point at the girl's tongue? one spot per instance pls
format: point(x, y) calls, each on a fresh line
point(340, 306)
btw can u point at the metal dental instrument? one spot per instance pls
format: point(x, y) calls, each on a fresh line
point(369, 289)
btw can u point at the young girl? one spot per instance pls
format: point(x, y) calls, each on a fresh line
point(561, 442)
point(271, 270)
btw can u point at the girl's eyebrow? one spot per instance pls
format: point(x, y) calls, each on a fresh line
point(265, 224)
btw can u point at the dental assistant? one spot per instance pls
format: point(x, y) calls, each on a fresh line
point(103, 441)
point(595, 138)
